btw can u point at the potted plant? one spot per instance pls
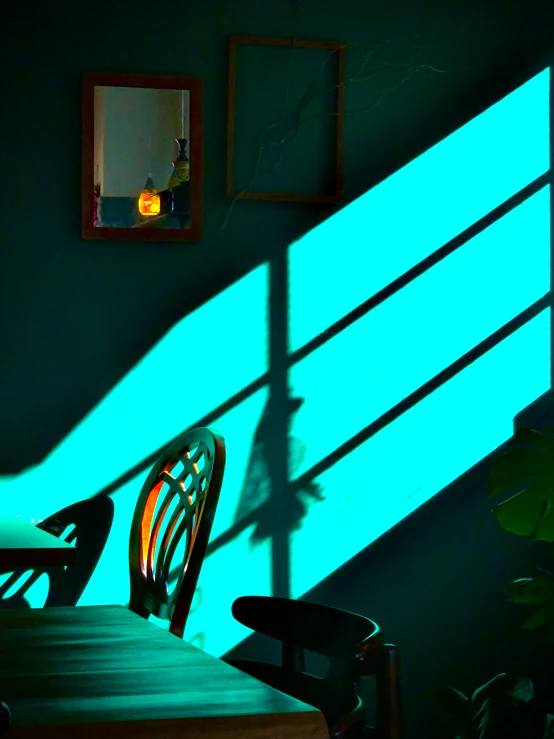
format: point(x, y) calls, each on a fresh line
point(504, 707)
point(526, 472)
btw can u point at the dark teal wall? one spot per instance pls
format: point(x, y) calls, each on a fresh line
point(76, 315)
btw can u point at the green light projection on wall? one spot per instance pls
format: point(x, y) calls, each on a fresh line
point(349, 381)
point(393, 350)
point(425, 449)
point(187, 374)
point(404, 342)
point(395, 225)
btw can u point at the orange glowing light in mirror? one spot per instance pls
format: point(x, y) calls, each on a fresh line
point(149, 203)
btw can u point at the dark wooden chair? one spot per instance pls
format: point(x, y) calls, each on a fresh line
point(5, 718)
point(86, 523)
point(355, 649)
point(175, 503)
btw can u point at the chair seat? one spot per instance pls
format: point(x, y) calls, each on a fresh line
point(328, 696)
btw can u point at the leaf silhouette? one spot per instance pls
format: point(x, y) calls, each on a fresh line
point(495, 688)
point(456, 708)
point(523, 690)
point(531, 590)
point(526, 468)
point(538, 591)
point(497, 707)
point(549, 733)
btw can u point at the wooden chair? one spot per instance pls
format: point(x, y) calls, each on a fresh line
point(88, 524)
point(5, 718)
point(354, 646)
point(193, 491)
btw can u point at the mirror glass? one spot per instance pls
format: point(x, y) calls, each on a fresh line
point(141, 158)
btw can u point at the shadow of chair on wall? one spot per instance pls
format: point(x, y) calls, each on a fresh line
point(88, 524)
point(273, 507)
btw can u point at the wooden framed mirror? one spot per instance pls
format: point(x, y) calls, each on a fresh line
point(142, 157)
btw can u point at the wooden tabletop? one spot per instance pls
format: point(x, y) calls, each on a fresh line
point(104, 672)
point(25, 545)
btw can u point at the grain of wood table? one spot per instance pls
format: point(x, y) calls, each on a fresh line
point(104, 672)
point(24, 545)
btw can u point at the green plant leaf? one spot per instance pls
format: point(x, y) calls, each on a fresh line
point(532, 590)
point(523, 690)
point(540, 618)
point(528, 455)
point(496, 706)
point(456, 708)
point(526, 468)
point(529, 514)
point(538, 591)
point(491, 719)
point(493, 689)
point(516, 467)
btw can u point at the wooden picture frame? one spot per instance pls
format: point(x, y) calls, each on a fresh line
point(335, 46)
point(147, 230)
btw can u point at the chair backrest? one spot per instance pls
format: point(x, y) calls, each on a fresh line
point(88, 524)
point(300, 625)
point(178, 499)
point(353, 644)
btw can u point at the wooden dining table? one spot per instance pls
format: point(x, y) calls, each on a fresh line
point(104, 672)
point(25, 545)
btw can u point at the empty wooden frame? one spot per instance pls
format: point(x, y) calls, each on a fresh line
point(142, 157)
point(333, 46)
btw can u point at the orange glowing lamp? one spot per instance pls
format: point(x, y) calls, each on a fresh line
point(149, 200)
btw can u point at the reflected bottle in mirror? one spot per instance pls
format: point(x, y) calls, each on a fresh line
point(96, 194)
point(179, 186)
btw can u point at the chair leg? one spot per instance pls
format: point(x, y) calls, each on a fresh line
point(388, 695)
point(5, 718)
point(139, 609)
